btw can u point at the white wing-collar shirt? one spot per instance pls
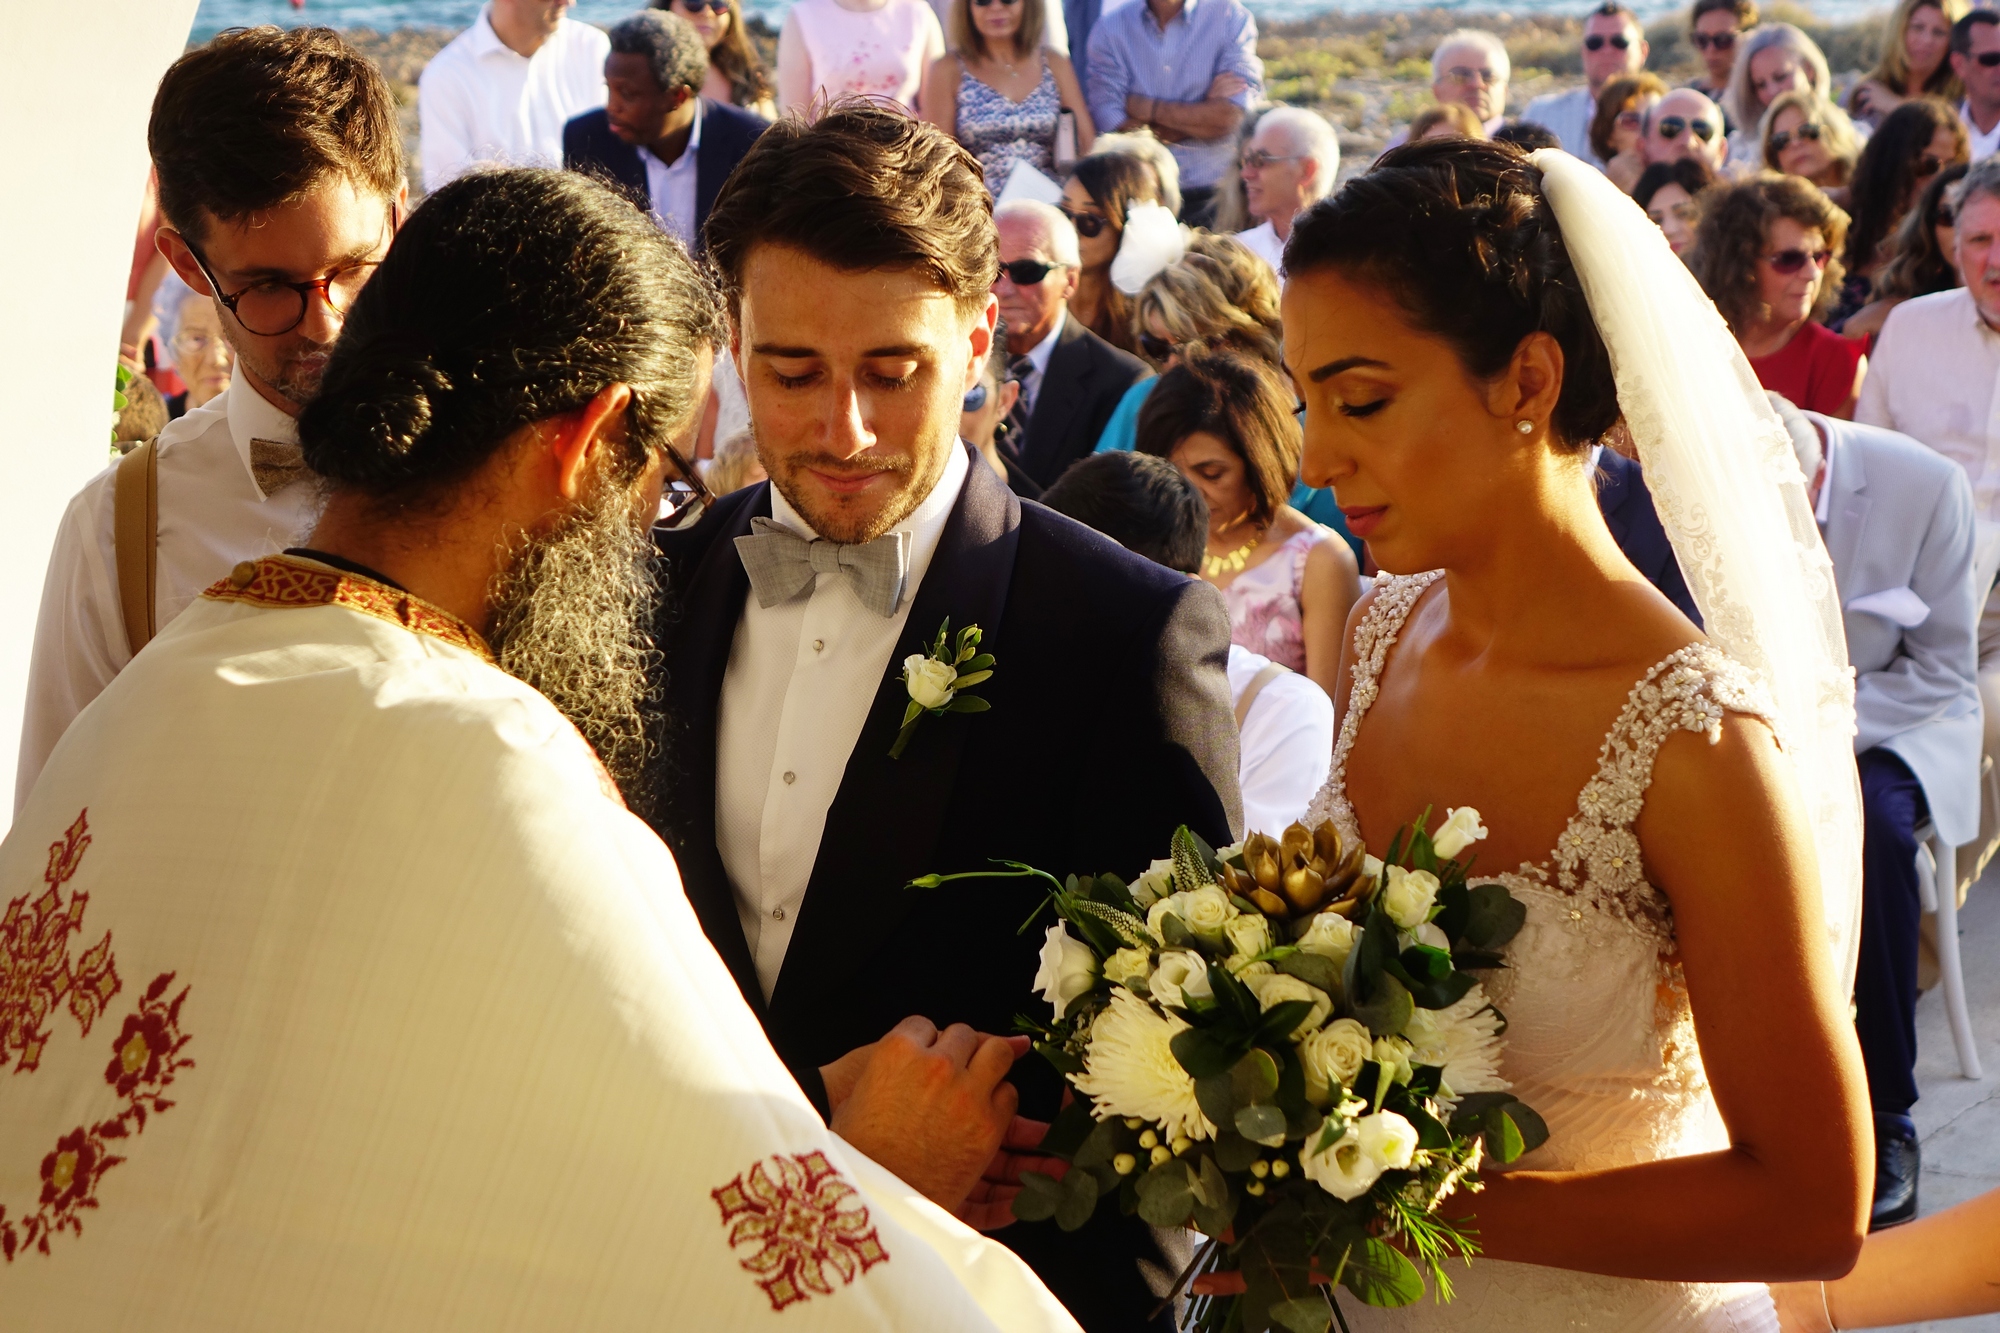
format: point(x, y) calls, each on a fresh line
point(482, 103)
point(213, 516)
point(802, 676)
point(672, 184)
point(1983, 144)
point(1935, 375)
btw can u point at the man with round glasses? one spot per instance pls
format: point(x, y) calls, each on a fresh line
point(1684, 123)
point(281, 185)
point(1613, 45)
point(1713, 29)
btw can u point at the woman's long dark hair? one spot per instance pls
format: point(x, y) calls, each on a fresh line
point(736, 56)
point(1885, 178)
point(1915, 265)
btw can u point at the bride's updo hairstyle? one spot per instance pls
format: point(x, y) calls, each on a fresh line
point(508, 298)
point(1457, 232)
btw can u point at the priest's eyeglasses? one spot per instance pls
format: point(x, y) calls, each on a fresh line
point(270, 307)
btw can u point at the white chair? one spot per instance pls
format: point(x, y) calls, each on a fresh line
point(1937, 887)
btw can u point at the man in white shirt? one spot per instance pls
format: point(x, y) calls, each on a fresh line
point(500, 92)
point(1975, 59)
point(1289, 165)
point(1470, 67)
point(1613, 44)
point(280, 233)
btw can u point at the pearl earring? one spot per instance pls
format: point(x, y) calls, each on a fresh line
point(1524, 426)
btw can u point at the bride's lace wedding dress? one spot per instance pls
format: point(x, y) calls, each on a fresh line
point(1600, 1039)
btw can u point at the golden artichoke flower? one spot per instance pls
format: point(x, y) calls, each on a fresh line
point(1299, 874)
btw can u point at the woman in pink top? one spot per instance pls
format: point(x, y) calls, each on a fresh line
point(829, 49)
point(1227, 423)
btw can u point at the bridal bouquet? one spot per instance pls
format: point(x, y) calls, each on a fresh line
point(1284, 1046)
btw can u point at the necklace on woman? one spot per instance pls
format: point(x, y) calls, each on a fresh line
point(1215, 566)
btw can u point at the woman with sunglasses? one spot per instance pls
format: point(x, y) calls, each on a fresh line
point(878, 49)
point(1806, 136)
point(1618, 128)
point(1916, 141)
point(1714, 28)
point(735, 71)
point(1765, 255)
point(1914, 63)
point(1921, 255)
point(1771, 59)
point(1099, 190)
point(1000, 92)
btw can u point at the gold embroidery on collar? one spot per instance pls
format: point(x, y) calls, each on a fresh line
point(279, 581)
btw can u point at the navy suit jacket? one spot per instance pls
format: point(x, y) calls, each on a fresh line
point(1628, 511)
point(726, 135)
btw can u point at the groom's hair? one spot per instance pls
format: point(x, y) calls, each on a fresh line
point(863, 187)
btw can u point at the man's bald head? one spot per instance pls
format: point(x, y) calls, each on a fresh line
point(1684, 123)
point(1030, 228)
point(1035, 239)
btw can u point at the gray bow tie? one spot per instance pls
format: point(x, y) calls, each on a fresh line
point(781, 565)
point(276, 464)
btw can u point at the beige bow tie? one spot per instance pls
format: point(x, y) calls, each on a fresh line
point(276, 465)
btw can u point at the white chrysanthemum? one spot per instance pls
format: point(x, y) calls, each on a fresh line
point(1464, 1041)
point(1130, 1070)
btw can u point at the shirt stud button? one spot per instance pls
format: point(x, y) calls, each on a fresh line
point(777, 914)
point(790, 778)
point(819, 645)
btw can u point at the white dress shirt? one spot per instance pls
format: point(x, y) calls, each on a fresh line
point(1038, 359)
point(1982, 145)
point(482, 103)
point(212, 517)
point(1934, 375)
point(1263, 241)
point(671, 185)
point(802, 676)
point(1287, 743)
point(1568, 116)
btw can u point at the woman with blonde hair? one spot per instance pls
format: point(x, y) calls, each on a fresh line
point(1618, 126)
point(1772, 58)
point(1807, 136)
point(1000, 92)
point(1916, 50)
point(736, 73)
point(1443, 119)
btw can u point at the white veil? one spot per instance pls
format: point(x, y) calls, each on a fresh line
point(1728, 490)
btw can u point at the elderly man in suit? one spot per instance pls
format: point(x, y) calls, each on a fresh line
point(1071, 380)
point(1898, 522)
point(656, 137)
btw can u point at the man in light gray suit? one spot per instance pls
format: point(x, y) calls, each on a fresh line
point(1898, 522)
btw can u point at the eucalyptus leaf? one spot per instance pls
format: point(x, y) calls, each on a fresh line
point(1105, 1142)
point(1503, 1137)
point(1282, 1019)
point(1173, 930)
point(1216, 1098)
point(1072, 1125)
point(1254, 1078)
point(1262, 1123)
point(1203, 1054)
point(1303, 1314)
point(1388, 1010)
point(1040, 1196)
point(1166, 1194)
point(1444, 993)
point(1380, 1275)
point(1233, 1152)
point(1313, 969)
point(1534, 1130)
point(1079, 1201)
point(1214, 1200)
point(1495, 917)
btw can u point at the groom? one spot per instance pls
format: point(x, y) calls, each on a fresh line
point(858, 256)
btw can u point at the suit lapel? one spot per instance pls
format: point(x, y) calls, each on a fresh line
point(1847, 505)
point(1055, 401)
point(882, 829)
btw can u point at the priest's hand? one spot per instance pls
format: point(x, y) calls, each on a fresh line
point(932, 1106)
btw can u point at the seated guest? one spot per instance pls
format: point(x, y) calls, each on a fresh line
point(1683, 124)
point(983, 415)
point(735, 464)
point(1916, 141)
point(1670, 192)
point(1613, 45)
point(1975, 44)
point(1227, 423)
point(1444, 121)
point(1714, 27)
point(500, 92)
point(1765, 255)
point(191, 331)
point(658, 137)
point(1898, 523)
point(1143, 144)
point(736, 73)
point(1805, 136)
point(1526, 136)
point(1922, 256)
point(1628, 511)
point(1099, 190)
point(1469, 68)
point(1772, 58)
point(1071, 379)
point(881, 49)
point(1000, 91)
point(1289, 165)
point(1619, 125)
point(1145, 505)
point(1915, 60)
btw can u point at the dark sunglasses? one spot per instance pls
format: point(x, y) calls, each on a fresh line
point(1028, 272)
point(1596, 43)
point(1929, 164)
point(1791, 261)
point(1670, 128)
point(983, 3)
point(1988, 58)
point(1809, 130)
point(696, 6)
point(1946, 216)
point(1088, 225)
point(1719, 41)
point(1159, 349)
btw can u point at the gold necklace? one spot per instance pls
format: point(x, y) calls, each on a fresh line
point(1215, 566)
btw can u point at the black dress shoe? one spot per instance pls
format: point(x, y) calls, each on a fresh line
point(1897, 1163)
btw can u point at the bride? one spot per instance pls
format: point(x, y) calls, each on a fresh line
point(1463, 326)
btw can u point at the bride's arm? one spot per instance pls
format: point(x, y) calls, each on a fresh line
point(1723, 834)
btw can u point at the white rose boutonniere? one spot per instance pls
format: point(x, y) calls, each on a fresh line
point(937, 681)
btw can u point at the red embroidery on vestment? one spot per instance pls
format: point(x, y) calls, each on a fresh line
point(36, 972)
point(281, 581)
point(790, 1208)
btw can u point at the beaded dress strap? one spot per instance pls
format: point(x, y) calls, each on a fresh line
point(1395, 597)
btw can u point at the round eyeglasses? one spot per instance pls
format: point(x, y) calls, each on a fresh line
point(271, 307)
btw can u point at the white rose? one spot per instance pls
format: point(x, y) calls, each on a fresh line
point(1248, 935)
point(1393, 1054)
point(1409, 897)
point(1460, 830)
point(1330, 936)
point(1068, 970)
point(1371, 869)
point(1128, 965)
point(1279, 987)
point(1332, 1058)
point(1208, 912)
point(1389, 1139)
point(1428, 933)
point(1174, 904)
point(929, 680)
point(1180, 975)
point(1156, 883)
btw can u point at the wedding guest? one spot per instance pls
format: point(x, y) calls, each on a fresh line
point(668, 146)
point(736, 73)
point(982, 418)
point(1922, 255)
point(1772, 58)
point(1070, 379)
point(1806, 136)
point(1671, 194)
point(1444, 121)
point(1613, 45)
point(734, 465)
point(1917, 140)
point(1470, 68)
point(1285, 721)
point(1913, 63)
point(999, 90)
point(191, 330)
point(830, 49)
point(1185, 70)
point(1227, 423)
point(863, 309)
point(1898, 522)
point(1765, 254)
point(500, 92)
point(1617, 129)
point(1095, 197)
point(1289, 165)
point(1975, 59)
point(1144, 145)
point(1526, 136)
point(1634, 523)
point(1683, 124)
point(1714, 27)
point(281, 185)
point(1945, 1266)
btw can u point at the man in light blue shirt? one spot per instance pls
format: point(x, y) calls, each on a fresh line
point(1185, 68)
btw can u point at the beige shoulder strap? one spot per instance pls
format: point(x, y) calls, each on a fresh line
point(135, 536)
point(1271, 671)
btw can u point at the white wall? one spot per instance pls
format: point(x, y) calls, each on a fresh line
point(76, 84)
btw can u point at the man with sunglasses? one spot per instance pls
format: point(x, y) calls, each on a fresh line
point(1713, 29)
point(1684, 123)
point(1975, 59)
point(1613, 44)
point(281, 184)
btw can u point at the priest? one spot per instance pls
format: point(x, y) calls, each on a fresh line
point(338, 987)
